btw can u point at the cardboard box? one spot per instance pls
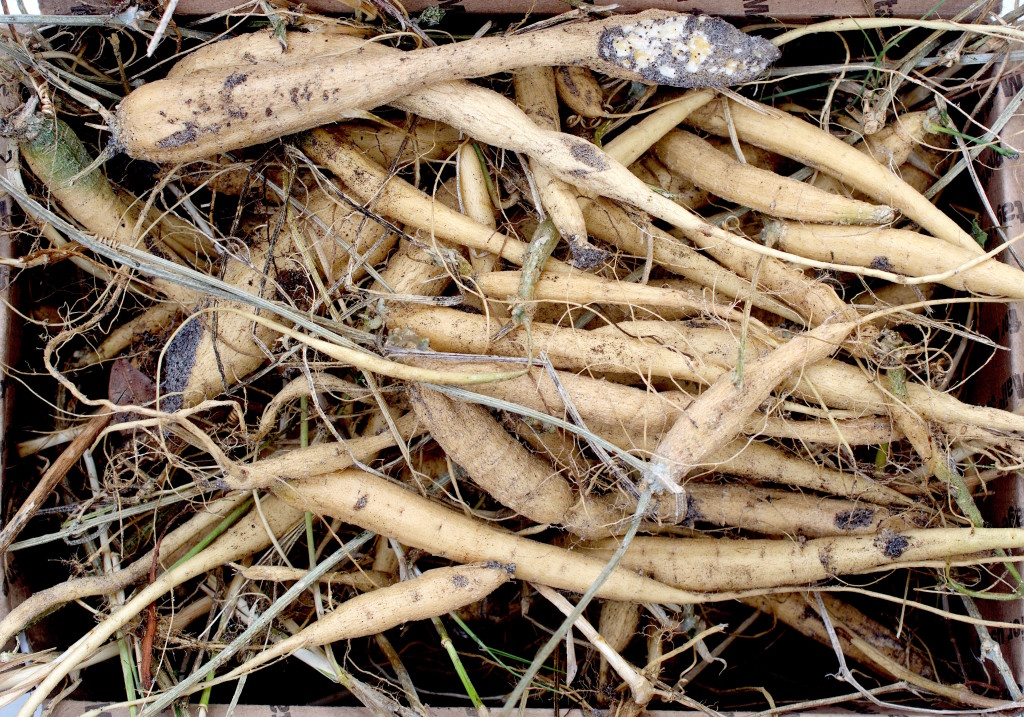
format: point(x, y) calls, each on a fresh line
point(1000, 382)
point(777, 9)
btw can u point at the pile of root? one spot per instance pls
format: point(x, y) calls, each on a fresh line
point(422, 361)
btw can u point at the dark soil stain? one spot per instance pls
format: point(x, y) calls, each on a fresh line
point(853, 519)
point(892, 544)
point(234, 80)
point(180, 358)
point(880, 263)
point(587, 155)
point(460, 581)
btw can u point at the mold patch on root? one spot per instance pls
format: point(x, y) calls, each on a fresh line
point(687, 51)
point(892, 544)
point(181, 357)
point(854, 519)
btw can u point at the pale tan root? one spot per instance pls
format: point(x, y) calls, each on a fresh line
point(318, 459)
point(923, 177)
point(493, 459)
point(579, 90)
point(629, 146)
point(701, 163)
point(361, 580)
point(759, 461)
point(779, 283)
point(302, 386)
point(375, 504)
point(754, 156)
point(172, 544)
point(728, 564)
point(557, 446)
point(617, 625)
point(837, 384)
point(640, 687)
point(509, 472)
point(451, 330)
point(151, 321)
point(792, 609)
point(901, 252)
point(806, 143)
point(844, 386)
point(426, 140)
point(535, 93)
point(401, 201)
point(185, 616)
point(238, 351)
point(890, 147)
point(434, 593)
point(412, 270)
point(328, 90)
point(764, 463)
point(867, 431)
point(598, 400)
point(219, 363)
point(257, 49)
point(783, 513)
point(953, 693)
point(325, 225)
point(476, 203)
point(576, 287)
point(532, 487)
point(718, 415)
point(56, 157)
point(895, 295)
point(650, 170)
point(612, 225)
point(641, 416)
point(222, 359)
point(868, 642)
point(244, 538)
point(493, 119)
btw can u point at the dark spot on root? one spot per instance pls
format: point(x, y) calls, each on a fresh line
point(361, 503)
point(235, 79)
point(693, 513)
point(586, 154)
point(237, 113)
point(248, 57)
point(294, 95)
point(460, 581)
point(825, 558)
point(892, 544)
point(566, 77)
point(584, 254)
point(269, 112)
point(181, 137)
point(853, 519)
point(880, 263)
point(180, 358)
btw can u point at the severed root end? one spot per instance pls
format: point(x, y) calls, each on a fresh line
point(687, 51)
point(584, 254)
